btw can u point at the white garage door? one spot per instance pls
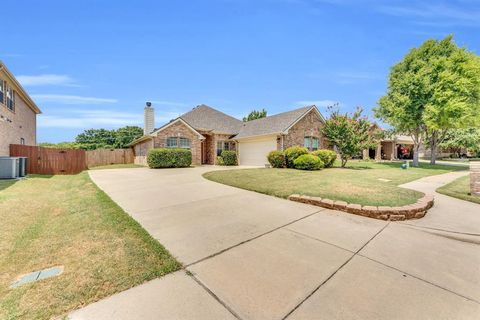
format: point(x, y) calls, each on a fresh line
point(254, 152)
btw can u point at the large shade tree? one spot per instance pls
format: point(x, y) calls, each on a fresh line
point(434, 89)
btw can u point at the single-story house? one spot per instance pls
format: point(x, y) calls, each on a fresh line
point(18, 113)
point(207, 132)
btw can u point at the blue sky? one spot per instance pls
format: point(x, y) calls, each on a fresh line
point(93, 64)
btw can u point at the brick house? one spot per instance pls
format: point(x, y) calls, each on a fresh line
point(18, 113)
point(207, 132)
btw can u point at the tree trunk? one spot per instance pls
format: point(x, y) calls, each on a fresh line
point(416, 146)
point(344, 162)
point(433, 147)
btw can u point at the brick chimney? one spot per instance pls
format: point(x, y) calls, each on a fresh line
point(148, 119)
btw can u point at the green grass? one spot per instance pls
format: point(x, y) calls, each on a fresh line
point(66, 220)
point(117, 166)
point(459, 188)
point(359, 183)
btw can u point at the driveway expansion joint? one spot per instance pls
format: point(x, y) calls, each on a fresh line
point(210, 292)
point(334, 273)
point(251, 239)
point(416, 277)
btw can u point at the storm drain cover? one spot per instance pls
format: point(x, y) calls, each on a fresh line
point(37, 275)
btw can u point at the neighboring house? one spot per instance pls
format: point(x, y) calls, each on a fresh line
point(207, 132)
point(18, 113)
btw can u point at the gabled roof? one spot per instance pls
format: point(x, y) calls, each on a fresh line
point(276, 124)
point(19, 89)
point(205, 118)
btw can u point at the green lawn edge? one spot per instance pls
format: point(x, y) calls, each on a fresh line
point(460, 189)
point(362, 182)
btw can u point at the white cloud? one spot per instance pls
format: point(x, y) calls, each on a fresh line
point(70, 99)
point(46, 80)
point(318, 103)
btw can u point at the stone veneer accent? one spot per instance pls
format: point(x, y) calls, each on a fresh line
point(475, 178)
point(412, 211)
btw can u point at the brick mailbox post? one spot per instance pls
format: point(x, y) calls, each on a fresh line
point(475, 178)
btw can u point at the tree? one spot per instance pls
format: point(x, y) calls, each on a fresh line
point(255, 115)
point(461, 139)
point(435, 88)
point(60, 145)
point(350, 134)
point(92, 139)
point(125, 135)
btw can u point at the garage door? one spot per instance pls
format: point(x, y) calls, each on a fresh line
point(254, 152)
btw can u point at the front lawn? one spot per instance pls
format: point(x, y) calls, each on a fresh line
point(459, 188)
point(67, 221)
point(363, 182)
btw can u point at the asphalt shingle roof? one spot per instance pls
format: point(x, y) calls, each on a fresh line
point(203, 117)
point(272, 124)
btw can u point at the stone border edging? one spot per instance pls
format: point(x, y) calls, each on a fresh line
point(411, 211)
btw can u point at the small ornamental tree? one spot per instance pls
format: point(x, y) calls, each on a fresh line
point(349, 133)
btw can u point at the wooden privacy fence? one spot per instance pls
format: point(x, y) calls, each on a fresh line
point(103, 157)
point(50, 160)
point(68, 161)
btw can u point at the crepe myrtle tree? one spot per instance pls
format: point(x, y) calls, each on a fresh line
point(349, 133)
point(434, 89)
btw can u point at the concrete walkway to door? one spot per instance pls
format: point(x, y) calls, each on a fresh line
point(252, 256)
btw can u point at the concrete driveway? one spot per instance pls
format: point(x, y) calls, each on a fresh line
point(252, 256)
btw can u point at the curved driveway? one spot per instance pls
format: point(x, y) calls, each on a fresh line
point(252, 256)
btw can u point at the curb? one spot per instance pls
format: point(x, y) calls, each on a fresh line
point(411, 211)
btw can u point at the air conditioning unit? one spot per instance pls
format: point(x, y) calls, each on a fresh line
point(9, 167)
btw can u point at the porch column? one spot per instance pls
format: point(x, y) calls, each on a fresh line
point(395, 151)
point(378, 152)
point(392, 154)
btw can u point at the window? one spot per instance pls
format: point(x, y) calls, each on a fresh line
point(10, 99)
point(184, 143)
point(2, 91)
point(311, 143)
point(22, 141)
point(172, 142)
point(223, 145)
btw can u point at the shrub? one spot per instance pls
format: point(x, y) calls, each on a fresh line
point(276, 159)
point(328, 157)
point(220, 161)
point(308, 162)
point(169, 158)
point(293, 153)
point(229, 157)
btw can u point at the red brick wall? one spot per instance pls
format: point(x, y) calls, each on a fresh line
point(180, 130)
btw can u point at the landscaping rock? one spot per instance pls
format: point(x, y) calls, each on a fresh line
point(419, 215)
point(354, 208)
point(327, 203)
point(316, 201)
point(397, 217)
point(340, 205)
point(370, 211)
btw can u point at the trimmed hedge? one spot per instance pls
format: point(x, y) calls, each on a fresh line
point(328, 157)
point(276, 159)
point(229, 158)
point(308, 162)
point(169, 158)
point(293, 153)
